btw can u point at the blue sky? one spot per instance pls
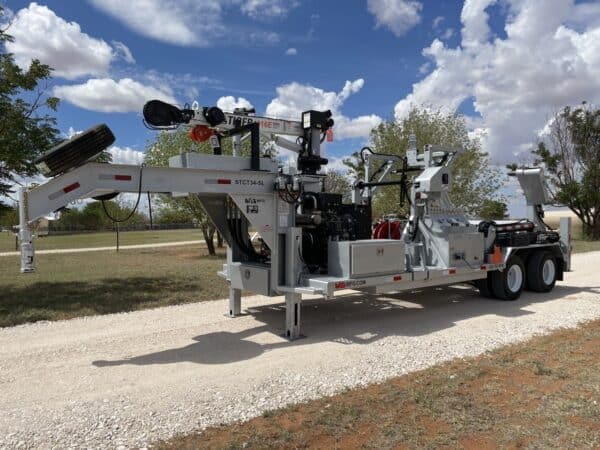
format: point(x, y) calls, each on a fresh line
point(505, 64)
point(333, 44)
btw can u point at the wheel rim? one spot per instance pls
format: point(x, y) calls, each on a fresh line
point(548, 272)
point(514, 278)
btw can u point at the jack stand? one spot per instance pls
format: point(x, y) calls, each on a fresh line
point(292, 315)
point(25, 235)
point(235, 302)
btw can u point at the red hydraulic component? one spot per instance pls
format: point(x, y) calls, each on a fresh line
point(387, 230)
point(200, 133)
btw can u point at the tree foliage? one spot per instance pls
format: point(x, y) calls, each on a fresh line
point(26, 128)
point(571, 156)
point(93, 217)
point(337, 183)
point(475, 184)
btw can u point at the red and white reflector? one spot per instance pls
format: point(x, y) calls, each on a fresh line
point(397, 277)
point(452, 271)
point(340, 285)
point(217, 181)
point(70, 188)
point(115, 177)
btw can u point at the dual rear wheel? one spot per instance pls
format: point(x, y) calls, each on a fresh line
point(539, 276)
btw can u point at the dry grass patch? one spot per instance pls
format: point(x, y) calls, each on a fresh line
point(544, 393)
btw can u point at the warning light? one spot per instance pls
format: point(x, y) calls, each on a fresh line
point(200, 133)
point(329, 135)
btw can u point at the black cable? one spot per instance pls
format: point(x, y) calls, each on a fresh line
point(137, 202)
point(415, 230)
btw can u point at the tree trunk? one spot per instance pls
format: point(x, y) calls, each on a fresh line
point(208, 238)
point(219, 240)
point(592, 230)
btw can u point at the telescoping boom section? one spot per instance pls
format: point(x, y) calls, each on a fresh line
point(307, 240)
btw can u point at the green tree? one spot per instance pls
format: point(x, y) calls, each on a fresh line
point(9, 217)
point(337, 182)
point(93, 217)
point(26, 128)
point(571, 156)
point(158, 152)
point(474, 181)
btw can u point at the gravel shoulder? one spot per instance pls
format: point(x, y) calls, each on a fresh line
point(130, 379)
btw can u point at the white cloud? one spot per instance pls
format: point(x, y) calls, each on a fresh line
point(195, 22)
point(397, 15)
point(447, 34)
point(39, 33)
point(437, 21)
point(177, 22)
point(294, 98)
point(424, 68)
point(267, 9)
point(517, 81)
point(291, 51)
point(126, 155)
point(108, 95)
point(73, 132)
point(123, 52)
point(229, 103)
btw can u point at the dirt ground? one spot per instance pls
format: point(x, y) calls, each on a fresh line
point(543, 393)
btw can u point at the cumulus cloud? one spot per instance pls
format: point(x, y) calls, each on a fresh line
point(39, 33)
point(398, 16)
point(514, 82)
point(291, 51)
point(229, 103)
point(108, 95)
point(195, 22)
point(294, 98)
point(126, 155)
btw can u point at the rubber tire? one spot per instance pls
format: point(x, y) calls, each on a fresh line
point(499, 280)
point(485, 287)
point(535, 279)
point(75, 151)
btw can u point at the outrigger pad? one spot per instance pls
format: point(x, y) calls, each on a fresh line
point(75, 151)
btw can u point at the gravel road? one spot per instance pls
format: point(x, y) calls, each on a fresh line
point(129, 379)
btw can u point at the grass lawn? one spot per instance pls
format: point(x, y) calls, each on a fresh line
point(543, 393)
point(7, 240)
point(81, 284)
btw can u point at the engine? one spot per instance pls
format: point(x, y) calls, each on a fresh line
point(336, 221)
